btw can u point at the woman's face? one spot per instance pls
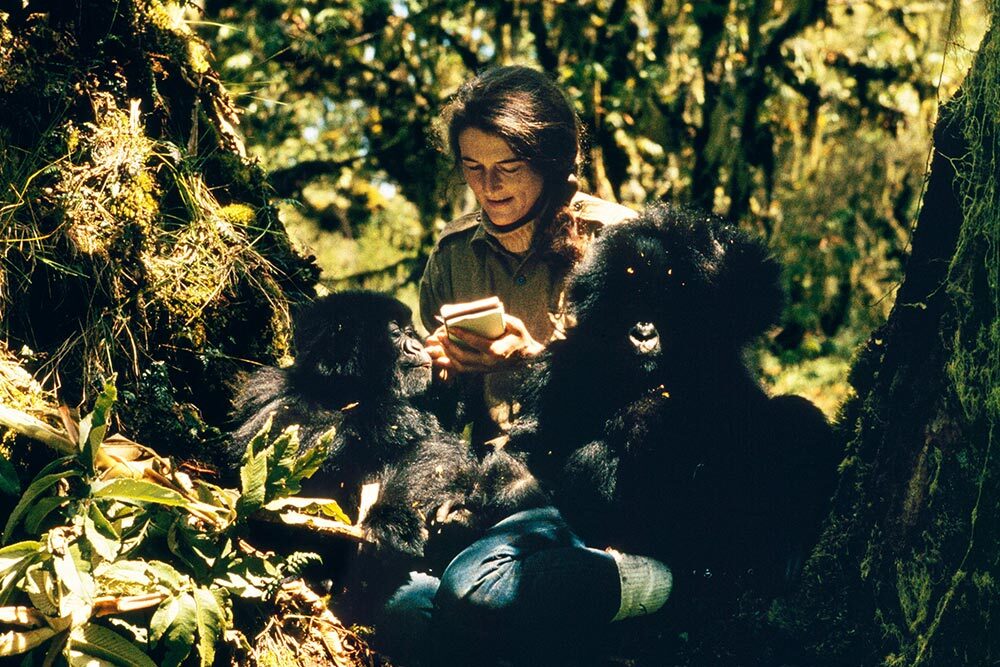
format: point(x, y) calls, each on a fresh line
point(505, 185)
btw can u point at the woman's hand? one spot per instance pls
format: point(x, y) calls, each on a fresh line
point(482, 355)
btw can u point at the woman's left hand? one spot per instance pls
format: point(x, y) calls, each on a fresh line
point(482, 355)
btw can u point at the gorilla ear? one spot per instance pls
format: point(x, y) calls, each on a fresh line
point(749, 285)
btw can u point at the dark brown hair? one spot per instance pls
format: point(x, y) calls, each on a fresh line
point(526, 109)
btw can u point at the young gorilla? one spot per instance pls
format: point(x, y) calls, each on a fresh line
point(646, 423)
point(358, 368)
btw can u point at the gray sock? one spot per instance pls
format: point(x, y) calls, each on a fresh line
point(645, 584)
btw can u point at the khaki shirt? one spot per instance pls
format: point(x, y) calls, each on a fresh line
point(468, 264)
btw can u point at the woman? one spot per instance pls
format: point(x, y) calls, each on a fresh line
point(529, 590)
point(516, 139)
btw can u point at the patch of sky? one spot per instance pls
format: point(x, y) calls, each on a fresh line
point(400, 8)
point(387, 190)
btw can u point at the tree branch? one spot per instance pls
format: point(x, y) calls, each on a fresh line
point(288, 181)
point(536, 23)
point(35, 429)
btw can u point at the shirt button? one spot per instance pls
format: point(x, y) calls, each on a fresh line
point(520, 280)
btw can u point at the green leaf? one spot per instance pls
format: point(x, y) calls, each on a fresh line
point(165, 574)
point(311, 460)
point(41, 591)
point(37, 514)
point(137, 491)
point(134, 573)
point(164, 617)
point(174, 623)
point(100, 642)
point(106, 547)
point(74, 576)
point(207, 549)
point(10, 485)
point(242, 586)
point(211, 623)
point(14, 561)
point(253, 483)
point(39, 486)
point(57, 464)
point(286, 451)
point(14, 643)
point(324, 507)
point(94, 426)
point(258, 443)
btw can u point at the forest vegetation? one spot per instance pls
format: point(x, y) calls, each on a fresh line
point(175, 176)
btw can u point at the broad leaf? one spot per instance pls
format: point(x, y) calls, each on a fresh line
point(211, 623)
point(94, 426)
point(14, 561)
point(311, 459)
point(324, 507)
point(130, 575)
point(42, 509)
point(258, 443)
point(79, 589)
point(253, 483)
point(41, 588)
point(174, 624)
point(10, 485)
point(285, 453)
point(57, 464)
point(100, 642)
point(165, 574)
point(107, 547)
point(37, 488)
point(138, 491)
point(14, 643)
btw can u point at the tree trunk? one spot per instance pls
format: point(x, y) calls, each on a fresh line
point(907, 570)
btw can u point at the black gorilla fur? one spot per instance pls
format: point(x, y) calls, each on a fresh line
point(645, 421)
point(358, 368)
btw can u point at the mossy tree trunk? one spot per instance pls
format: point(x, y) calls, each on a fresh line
point(908, 569)
point(136, 238)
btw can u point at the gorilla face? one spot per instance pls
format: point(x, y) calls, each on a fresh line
point(643, 296)
point(360, 344)
point(658, 292)
point(413, 366)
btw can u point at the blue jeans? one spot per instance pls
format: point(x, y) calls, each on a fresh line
point(528, 591)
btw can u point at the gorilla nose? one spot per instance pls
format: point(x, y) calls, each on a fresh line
point(413, 346)
point(414, 354)
point(644, 338)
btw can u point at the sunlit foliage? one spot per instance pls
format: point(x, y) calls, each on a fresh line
point(807, 120)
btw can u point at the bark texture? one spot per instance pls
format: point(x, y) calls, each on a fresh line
point(906, 572)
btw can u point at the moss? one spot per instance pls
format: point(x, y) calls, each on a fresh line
point(107, 182)
point(186, 47)
point(135, 244)
point(238, 214)
point(914, 587)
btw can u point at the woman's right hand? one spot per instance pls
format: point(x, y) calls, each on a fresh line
point(482, 355)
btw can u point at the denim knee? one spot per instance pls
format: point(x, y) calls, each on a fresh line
point(405, 621)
